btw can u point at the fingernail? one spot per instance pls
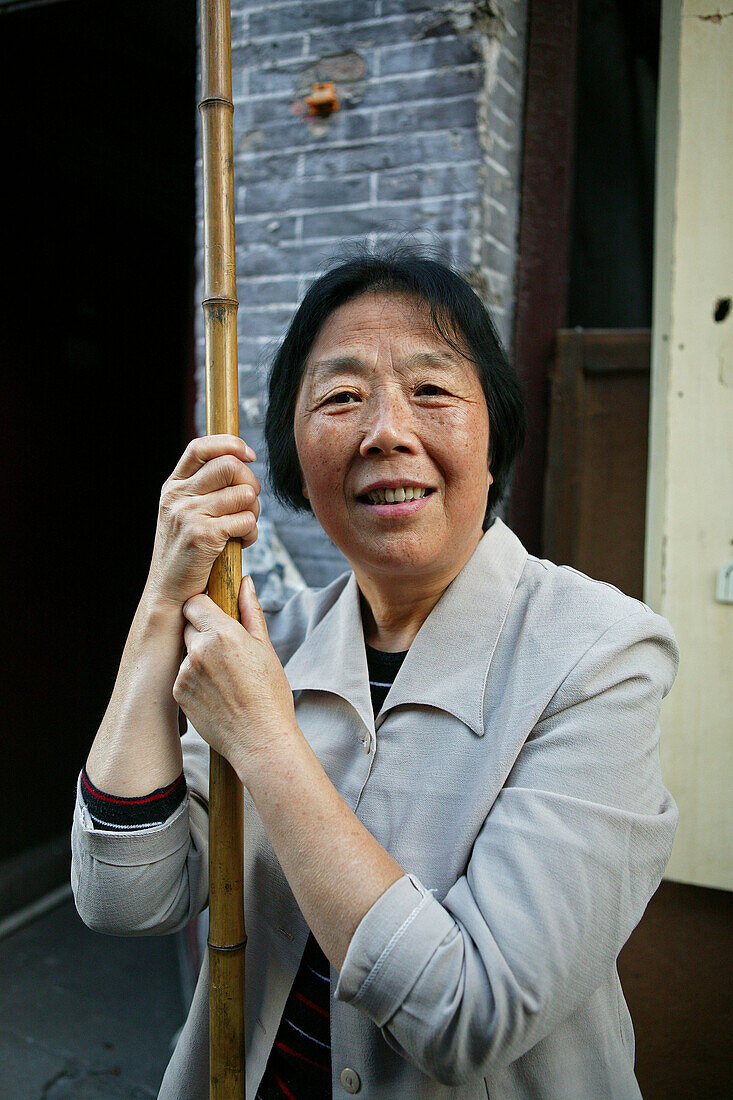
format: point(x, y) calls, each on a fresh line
point(250, 583)
point(250, 451)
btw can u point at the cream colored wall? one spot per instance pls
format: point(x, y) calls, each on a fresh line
point(690, 477)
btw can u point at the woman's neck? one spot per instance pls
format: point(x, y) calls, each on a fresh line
point(392, 626)
point(393, 609)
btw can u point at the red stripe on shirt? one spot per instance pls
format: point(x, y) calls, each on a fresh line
point(284, 1088)
point(303, 1058)
point(129, 801)
point(310, 1004)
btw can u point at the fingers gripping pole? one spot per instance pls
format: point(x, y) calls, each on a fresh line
point(227, 938)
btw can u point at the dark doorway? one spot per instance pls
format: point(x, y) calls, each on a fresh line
point(98, 123)
point(611, 232)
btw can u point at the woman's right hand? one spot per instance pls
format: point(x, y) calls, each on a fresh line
point(210, 497)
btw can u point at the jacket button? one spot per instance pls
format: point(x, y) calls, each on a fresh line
point(350, 1080)
point(367, 741)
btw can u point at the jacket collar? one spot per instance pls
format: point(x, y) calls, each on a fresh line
point(448, 662)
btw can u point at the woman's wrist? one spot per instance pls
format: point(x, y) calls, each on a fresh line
point(259, 769)
point(159, 612)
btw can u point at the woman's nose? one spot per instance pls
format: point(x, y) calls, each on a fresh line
point(390, 425)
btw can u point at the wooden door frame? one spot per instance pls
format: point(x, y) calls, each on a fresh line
point(544, 236)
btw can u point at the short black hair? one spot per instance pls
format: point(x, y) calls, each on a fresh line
point(458, 315)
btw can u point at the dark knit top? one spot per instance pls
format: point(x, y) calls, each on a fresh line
point(299, 1066)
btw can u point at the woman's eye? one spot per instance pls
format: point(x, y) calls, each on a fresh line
point(345, 397)
point(341, 393)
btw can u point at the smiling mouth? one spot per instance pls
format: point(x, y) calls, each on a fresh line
point(398, 509)
point(378, 498)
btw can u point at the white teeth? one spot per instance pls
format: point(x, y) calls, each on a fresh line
point(394, 496)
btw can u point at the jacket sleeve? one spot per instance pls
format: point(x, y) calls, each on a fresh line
point(148, 881)
point(560, 874)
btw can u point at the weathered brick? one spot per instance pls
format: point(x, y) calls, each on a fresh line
point(294, 18)
point(263, 259)
point(499, 223)
point(363, 36)
point(305, 194)
point(430, 53)
point(250, 5)
point(263, 292)
point(258, 230)
point(238, 26)
point(266, 53)
point(250, 379)
point(433, 214)
point(261, 112)
point(499, 261)
point(397, 7)
point(432, 85)
point(441, 115)
point(293, 133)
point(276, 81)
point(249, 169)
point(263, 322)
point(310, 258)
point(387, 151)
point(253, 354)
point(426, 182)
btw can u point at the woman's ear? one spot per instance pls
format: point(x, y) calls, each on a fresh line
point(305, 490)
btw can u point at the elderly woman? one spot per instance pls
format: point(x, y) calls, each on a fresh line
point(454, 813)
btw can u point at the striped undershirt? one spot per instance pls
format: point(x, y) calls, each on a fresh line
point(299, 1066)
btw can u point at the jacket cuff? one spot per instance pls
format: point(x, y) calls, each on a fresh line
point(391, 947)
point(134, 847)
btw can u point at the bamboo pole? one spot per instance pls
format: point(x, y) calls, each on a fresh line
point(227, 937)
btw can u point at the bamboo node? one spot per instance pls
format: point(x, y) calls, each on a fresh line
point(212, 100)
point(219, 302)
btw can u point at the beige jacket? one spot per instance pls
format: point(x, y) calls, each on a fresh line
point(513, 771)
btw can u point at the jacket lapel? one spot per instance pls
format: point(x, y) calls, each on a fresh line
point(447, 664)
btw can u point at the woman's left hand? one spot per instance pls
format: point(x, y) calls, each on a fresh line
point(231, 684)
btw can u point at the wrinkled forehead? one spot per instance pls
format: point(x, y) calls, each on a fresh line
point(399, 325)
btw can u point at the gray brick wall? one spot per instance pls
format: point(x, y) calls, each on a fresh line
point(426, 142)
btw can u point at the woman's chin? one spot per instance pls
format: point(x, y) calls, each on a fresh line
point(407, 553)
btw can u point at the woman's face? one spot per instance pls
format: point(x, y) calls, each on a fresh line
point(383, 397)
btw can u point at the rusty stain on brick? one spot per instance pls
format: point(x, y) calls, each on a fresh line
point(323, 100)
point(346, 72)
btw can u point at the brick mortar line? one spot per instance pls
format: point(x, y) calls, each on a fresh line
point(342, 145)
point(275, 5)
point(368, 111)
point(255, 97)
point(350, 207)
point(401, 170)
point(348, 26)
point(506, 85)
